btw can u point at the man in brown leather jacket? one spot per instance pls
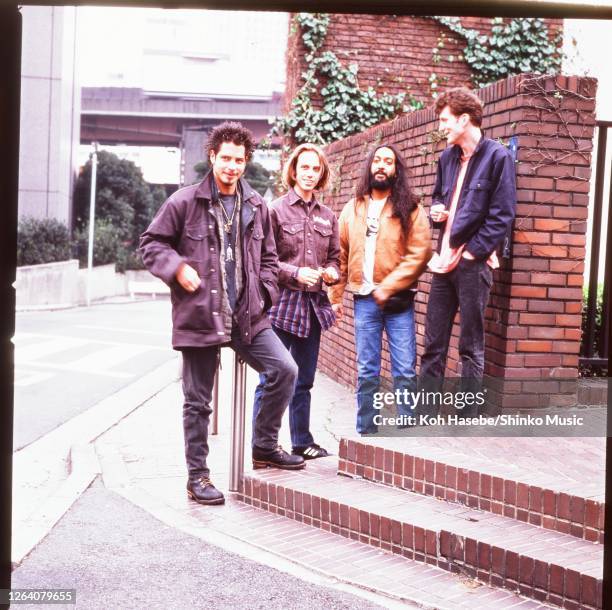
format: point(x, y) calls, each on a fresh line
point(385, 244)
point(212, 243)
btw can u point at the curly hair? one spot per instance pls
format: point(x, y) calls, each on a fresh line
point(402, 198)
point(461, 101)
point(230, 131)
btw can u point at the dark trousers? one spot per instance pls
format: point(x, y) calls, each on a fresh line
point(266, 354)
point(466, 288)
point(305, 352)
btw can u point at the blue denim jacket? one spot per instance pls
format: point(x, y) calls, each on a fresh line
point(487, 203)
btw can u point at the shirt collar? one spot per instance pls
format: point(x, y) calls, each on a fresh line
point(295, 198)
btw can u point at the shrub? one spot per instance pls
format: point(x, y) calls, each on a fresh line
point(44, 240)
point(108, 246)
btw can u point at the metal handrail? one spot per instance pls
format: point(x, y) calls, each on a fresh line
point(215, 405)
point(237, 423)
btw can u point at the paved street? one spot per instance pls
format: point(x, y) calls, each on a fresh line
point(66, 361)
point(116, 555)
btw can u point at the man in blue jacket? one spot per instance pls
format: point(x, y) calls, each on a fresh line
point(474, 201)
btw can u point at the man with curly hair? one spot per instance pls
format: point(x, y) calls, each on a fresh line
point(213, 244)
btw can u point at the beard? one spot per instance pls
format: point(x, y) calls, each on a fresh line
point(381, 185)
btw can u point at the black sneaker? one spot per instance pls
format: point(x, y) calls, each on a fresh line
point(310, 452)
point(203, 491)
point(276, 458)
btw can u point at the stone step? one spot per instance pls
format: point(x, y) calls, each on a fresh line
point(544, 565)
point(504, 476)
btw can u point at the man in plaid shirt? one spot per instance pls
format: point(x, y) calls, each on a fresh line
point(307, 242)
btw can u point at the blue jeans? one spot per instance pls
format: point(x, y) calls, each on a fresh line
point(305, 352)
point(369, 324)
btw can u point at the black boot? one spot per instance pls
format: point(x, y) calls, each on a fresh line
point(203, 491)
point(276, 458)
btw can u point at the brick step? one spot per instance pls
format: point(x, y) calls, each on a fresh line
point(541, 564)
point(540, 491)
point(382, 572)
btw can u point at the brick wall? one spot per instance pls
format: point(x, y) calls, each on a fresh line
point(533, 319)
point(394, 53)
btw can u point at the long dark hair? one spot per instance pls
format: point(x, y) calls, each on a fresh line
point(403, 200)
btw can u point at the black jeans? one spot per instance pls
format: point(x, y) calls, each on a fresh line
point(466, 288)
point(266, 354)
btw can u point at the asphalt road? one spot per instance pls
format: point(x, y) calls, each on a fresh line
point(66, 361)
point(117, 556)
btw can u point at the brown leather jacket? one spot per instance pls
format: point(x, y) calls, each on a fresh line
point(303, 239)
point(398, 261)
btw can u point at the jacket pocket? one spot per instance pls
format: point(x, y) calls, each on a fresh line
point(322, 237)
point(196, 240)
point(291, 240)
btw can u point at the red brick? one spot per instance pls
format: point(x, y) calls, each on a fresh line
point(547, 306)
point(551, 251)
point(591, 515)
point(565, 293)
point(526, 570)
point(588, 590)
point(537, 292)
point(510, 492)
point(531, 237)
point(573, 320)
point(543, 332)
point(512, 566)
point(538, 319)
point(534, 346)
point(569, 239)
point(557, 578)
point(419, 539)
point(550, 224)
point(548, 279)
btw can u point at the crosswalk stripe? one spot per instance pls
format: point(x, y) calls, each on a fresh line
point(82, 341)
point(32, 379)
point(104, 359)
point(158, 333)
point(44, 349)
point(70, 368)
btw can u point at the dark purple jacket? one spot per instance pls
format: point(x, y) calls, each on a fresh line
point(185, 230)
point(304, 239)
point(487, 204)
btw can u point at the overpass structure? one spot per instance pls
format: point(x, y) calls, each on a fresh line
point(133, 116)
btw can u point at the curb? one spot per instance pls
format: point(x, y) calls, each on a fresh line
point(78, 458)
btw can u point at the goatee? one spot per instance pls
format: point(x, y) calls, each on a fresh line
point(381, 185)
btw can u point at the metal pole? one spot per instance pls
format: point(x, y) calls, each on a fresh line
point(595, 240)
point(92, 215)
point(238, 417)
point(215, 404)
point(604, 347)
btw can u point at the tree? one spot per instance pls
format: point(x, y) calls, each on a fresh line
point(125, 205)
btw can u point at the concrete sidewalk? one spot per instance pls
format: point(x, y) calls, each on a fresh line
point(141, 459)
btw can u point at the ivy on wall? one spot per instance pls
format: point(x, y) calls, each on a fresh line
point(345, 108)
point(521, 45)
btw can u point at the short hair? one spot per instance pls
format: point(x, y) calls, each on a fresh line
point(291, 164)
point(461, 101)
point(230, 131)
